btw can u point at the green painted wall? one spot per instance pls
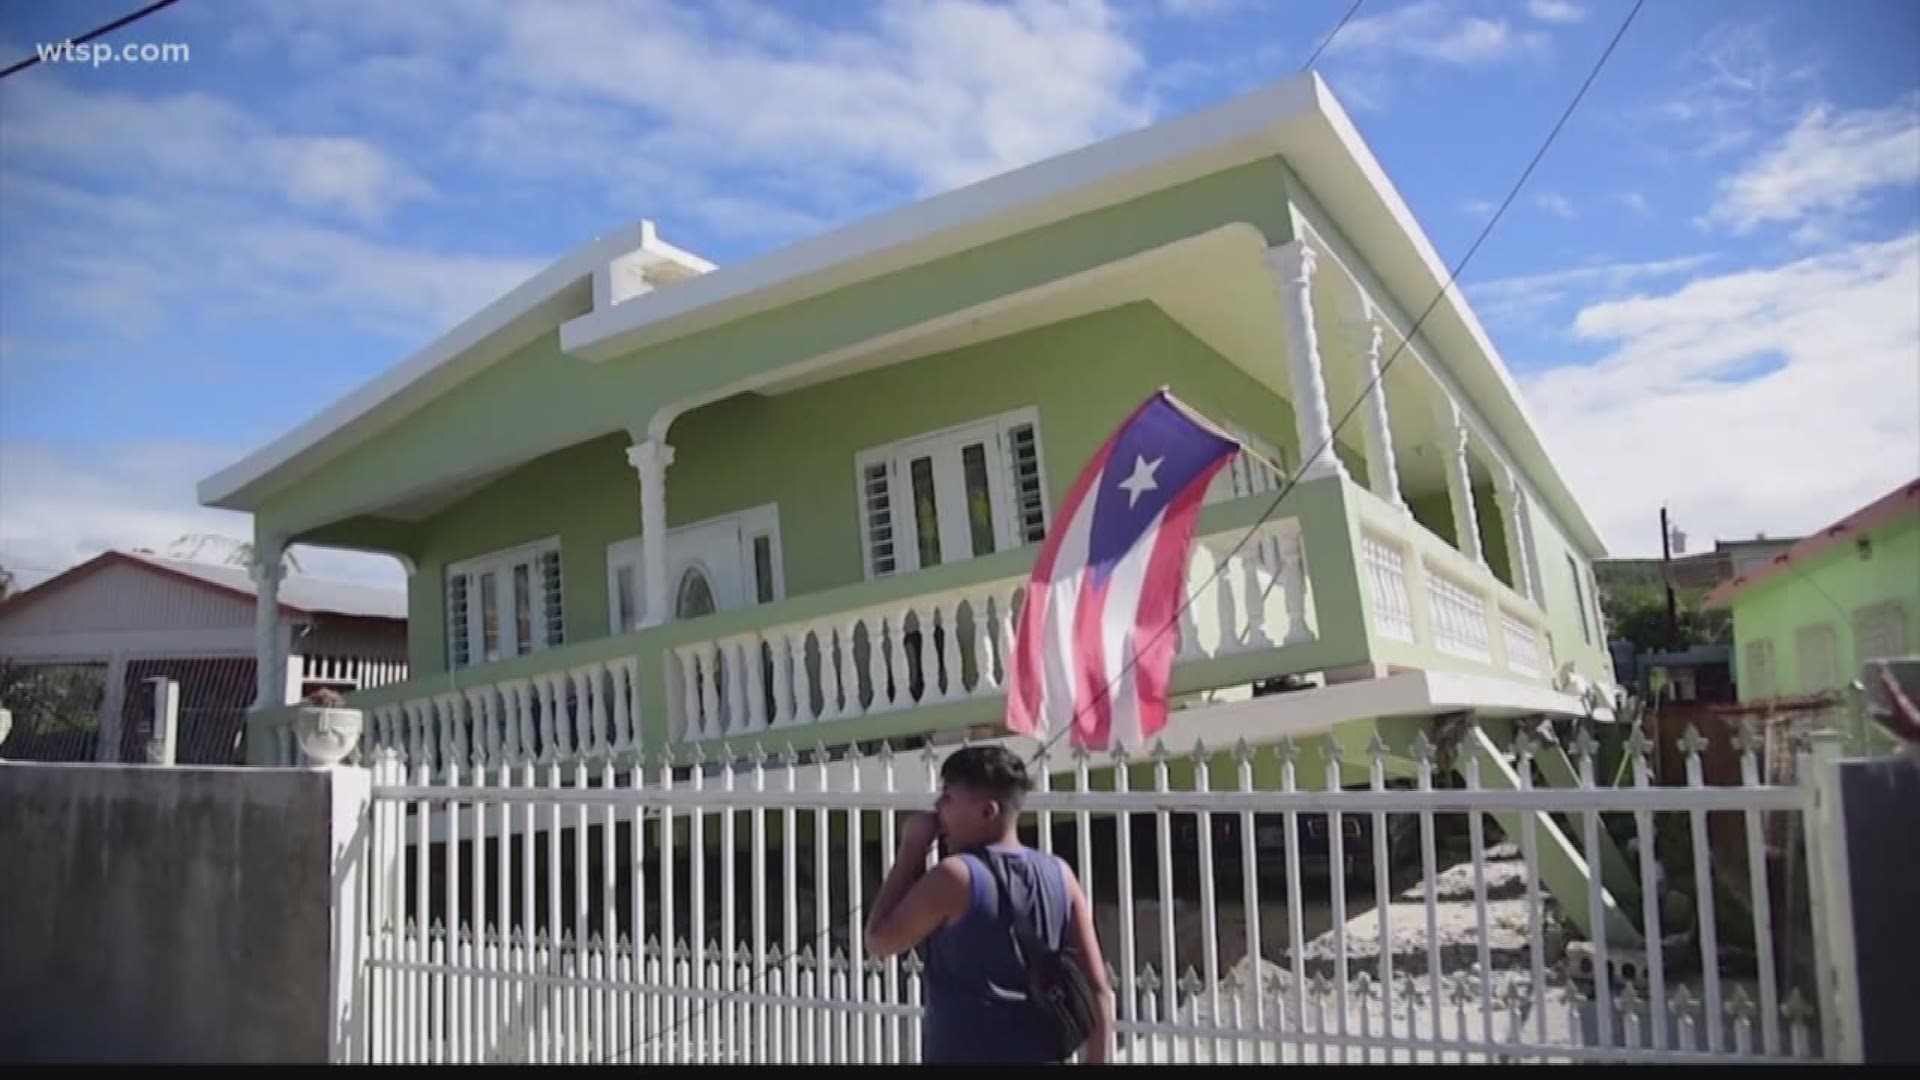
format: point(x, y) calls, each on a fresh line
point(1587, 648)
point(798, 450)
point(1830, 588)
point(556, 400)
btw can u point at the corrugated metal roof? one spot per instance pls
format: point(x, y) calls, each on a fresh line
point(299, 591)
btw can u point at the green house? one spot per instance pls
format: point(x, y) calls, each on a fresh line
point(1806, 621)
point(648, 502)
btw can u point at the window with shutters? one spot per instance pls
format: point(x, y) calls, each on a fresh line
point(1813, 648)
point(1879, 632)
point(1243, 476)
point(952, 494)
point(508, 603)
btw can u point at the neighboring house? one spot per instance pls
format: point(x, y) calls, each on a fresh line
point(1805, 622)
point(649, 502)
point(106, 626)
point(1698, 572)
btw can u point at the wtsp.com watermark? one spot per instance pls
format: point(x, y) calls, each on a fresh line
point(100, 53)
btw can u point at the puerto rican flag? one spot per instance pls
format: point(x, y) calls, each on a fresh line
point(1095, 643)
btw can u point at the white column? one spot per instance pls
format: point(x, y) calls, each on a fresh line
point(1292, 266)
point(1513, 511)
point(650, 459)
point(1383, 473)
point(1454, 436)
point(270, 667)
point(113, 707)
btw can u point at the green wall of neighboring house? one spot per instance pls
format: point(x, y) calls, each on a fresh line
point(797, 451)
point(1830, 588)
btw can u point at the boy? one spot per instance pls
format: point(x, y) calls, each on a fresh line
point(976, 1012)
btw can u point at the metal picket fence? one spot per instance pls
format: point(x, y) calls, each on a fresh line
point(712, 911)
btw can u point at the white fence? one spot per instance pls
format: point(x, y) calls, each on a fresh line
point(713, 913)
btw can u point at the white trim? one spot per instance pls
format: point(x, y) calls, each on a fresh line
point(527, 310)
point(995, 430)
point(505, 559)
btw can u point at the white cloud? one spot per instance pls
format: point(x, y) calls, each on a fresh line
point(60, 506)
point(1771, 399)
point(1636, 202)
point(202, 139)
point(1736, 87)
point(656, 100)
point(1434, 31)
point(1556, 11)
point(1510, 300)
point(1478, 208)
point(1556, 204)
point(1827, 165)
point(206, 256)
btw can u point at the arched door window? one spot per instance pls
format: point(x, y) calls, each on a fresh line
point(694, 597)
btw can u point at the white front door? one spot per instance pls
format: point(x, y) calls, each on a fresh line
point(710, 568)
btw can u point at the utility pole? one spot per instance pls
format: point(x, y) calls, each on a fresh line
point(1666, 577)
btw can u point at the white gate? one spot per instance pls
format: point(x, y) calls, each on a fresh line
point(712, 913)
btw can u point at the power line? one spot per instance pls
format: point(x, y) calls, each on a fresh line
point(99, 31)
point(1331, 34)
point(1292, 482)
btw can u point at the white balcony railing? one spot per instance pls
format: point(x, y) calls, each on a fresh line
point(952, 646)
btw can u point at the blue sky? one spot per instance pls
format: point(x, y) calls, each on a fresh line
point(1710, 290)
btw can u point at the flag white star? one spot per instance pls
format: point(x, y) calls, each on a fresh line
point(1142, 480)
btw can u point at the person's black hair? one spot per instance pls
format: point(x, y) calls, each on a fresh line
point(993, 771)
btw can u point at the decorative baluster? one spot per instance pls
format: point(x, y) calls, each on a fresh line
point(1220, 584)
point(1254, 600)
point(710, 726)
point(453, 738)
point(877, 663)
point(478, 704)
point(1004, 608)
point(756, 682)
point(778, 652)
point(550, 729)
point(929, 657)
point(802, 680)
point(1199, 565)
point(830, 681)
point(955, 687)
point(563, 713)
point(984, 624)
point(848, 672)
point(511, 711)
point(620, 676)
point(689, 669)
point(734, 667)
point(594, 676)
point(1293, 587)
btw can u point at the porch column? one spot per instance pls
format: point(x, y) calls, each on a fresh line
point(1513, 518)
point(1454, 438)
point(650, 459)
point(270, 668)
point(1383, 474)
point(1292, 266)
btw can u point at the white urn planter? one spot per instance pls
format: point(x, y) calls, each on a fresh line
point(326, 735)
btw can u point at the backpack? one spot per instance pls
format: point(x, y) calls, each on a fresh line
point(1057, 986)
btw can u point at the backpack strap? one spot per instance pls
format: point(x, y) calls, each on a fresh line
point(1025, 942)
